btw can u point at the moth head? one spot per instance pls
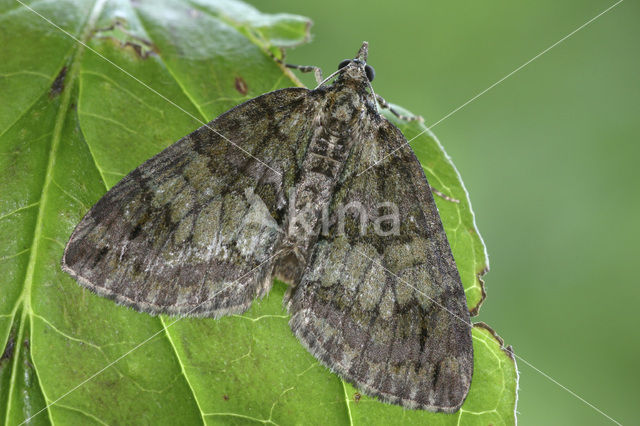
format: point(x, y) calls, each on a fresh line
point(360, 61)
point(368, 69)
point(356, 73)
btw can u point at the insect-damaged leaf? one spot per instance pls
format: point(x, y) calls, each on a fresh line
point(74, 334)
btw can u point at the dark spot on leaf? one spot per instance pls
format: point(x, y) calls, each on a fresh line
point(26, 355)
point(8, 349)
point(58, 84)
point(356, 397)
point(506, 349)
point(143, 50)
point(241, 86)
point(225, 397)
point(473, 312)
point(120, 35)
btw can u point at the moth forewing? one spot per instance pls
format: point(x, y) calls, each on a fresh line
point(273, 188)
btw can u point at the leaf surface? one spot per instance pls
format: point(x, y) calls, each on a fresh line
point(71, 125)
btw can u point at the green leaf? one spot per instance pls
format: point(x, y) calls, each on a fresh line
point(71, 125)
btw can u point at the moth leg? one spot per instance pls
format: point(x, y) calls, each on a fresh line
point(444, 196)
point(384, 104)
point(317, 71)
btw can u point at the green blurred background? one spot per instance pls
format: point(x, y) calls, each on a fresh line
point(550, 158)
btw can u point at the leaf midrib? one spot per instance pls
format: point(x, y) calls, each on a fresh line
point(25, 296)
point(182, 369)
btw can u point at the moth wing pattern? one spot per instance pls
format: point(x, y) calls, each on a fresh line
point(175, 234)
point(387, 313)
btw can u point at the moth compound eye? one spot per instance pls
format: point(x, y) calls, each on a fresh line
point(371, 73)
point(344, 63)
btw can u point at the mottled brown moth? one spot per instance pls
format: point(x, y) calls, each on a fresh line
point(274, 188)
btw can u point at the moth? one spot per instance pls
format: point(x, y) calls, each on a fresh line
point(283, 186)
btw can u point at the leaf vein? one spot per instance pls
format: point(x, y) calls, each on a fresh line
point(182, 369)
point(19, 209)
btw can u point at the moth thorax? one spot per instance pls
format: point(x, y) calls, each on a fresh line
point(344, 114)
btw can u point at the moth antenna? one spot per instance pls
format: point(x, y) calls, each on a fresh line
point(330, 77)
point(374, 96)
